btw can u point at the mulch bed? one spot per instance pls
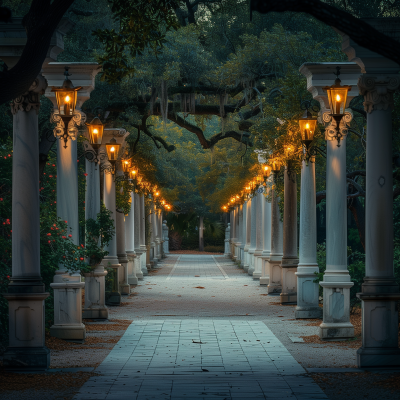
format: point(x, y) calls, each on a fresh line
point(52, 381)
point(193, 252)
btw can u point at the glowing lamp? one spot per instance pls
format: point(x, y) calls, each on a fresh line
point(125, 166)
point(307, 125)
point(95, 129)
point(112, 150)
point(275, 164)
point(66, 96)
point(266, 171)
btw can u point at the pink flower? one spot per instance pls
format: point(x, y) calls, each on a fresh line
point(69, 235)
point(49, 234)
point(85, 174)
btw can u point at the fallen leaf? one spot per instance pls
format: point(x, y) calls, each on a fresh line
point(199, 287)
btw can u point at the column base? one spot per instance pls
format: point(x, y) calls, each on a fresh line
point(336, 331)
point(68, 332)
point(288, 298)
point(306, 313)
point(26, 359)
point(132, 280)
point(95, 313)
point(256, 275)
point(264, 280)
point(378, 357)
point(246, 267)
point(124, 289)
point(113, 298)
point(139, 275)
point(274, 289)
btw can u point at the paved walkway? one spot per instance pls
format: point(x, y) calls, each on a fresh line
point(199, 358)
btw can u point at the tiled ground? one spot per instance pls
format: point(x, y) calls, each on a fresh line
point(199, 358)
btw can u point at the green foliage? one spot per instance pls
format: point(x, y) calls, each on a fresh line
point(139, 25)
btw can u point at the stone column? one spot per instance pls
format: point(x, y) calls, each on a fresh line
point(124, 287)
point(233, 233)
point(166, 238)
point(136, 235)
point(160, 234)
point(337, 281)
point(95, 280)
point(130, 243)
point(227, 236)
point(266, 228)
point(111, 260)
point(253, 235)
point(380, 291)
point(153, 227)
point(26, 291)
point(239, 234)
point(289, 258)
point(231, 238)
point(307, 289)
point(248, 234)
point(258, 261)
point(68, 287)
point(275, 258)
point(143, 236)
point(243, 233)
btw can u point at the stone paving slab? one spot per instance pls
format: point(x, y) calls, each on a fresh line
point(224, 359)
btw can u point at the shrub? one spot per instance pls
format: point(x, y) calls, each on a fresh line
point(214, 249)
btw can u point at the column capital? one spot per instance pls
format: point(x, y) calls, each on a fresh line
point(378, 91)
point(30, 99)
point(330, 124)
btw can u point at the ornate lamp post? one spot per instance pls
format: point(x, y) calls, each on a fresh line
point(66, 97)
point(337, 97)
point(112, 148)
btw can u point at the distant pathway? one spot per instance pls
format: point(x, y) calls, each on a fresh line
point(199, 358)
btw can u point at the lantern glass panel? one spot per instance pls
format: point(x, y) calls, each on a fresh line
point(307, 129)
point(96, 129)
point(66, 101)
point(125, 165)
point(112, 151)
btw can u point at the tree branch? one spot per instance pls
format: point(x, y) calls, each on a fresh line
point(360, 31)
point(40, 23)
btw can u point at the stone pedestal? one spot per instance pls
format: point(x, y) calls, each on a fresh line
point(239, 236)
point(253, 235)
point(289, 257)
point(227, 252)
point(95, 306)
point(68, 311)
point(307, 289)
point(275, 258)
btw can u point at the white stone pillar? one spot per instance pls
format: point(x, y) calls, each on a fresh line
point(231, 238)
point(166, 237)
point(239, 234)
point(290, 258)
point(243, 233)
point(266, 227)
point(68, 287)
point(307, 289)
point(233, 232)
point(153, 227)
point(111, 259)
point(26, 291)
point(258, 261)
point(380, 291)
point(130, 243)
point(248, 234)
point(337, 281)
point(138, 249)
point(227, 239)
point(275, 259)
point(253, 235)
point(95, 280)
point(143, 237)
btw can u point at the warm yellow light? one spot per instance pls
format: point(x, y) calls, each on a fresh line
point(112, 149)
point(156, 193)
point(338, 98)
point(307, 125)
point(67, 99)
